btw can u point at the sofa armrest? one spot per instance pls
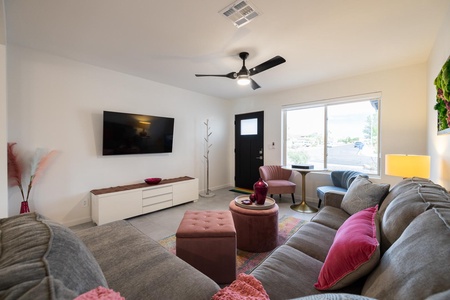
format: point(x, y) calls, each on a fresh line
point(333, 198)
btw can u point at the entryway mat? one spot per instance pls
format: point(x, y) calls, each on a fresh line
point(241, 190)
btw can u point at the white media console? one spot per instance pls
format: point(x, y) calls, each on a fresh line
point(118, 203)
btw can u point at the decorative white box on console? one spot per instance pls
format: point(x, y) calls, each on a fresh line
point(118, 203)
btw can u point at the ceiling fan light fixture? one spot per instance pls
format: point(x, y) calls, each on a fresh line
point(243, 80)
point(244, 75)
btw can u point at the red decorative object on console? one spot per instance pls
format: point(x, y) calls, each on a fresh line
point(152, 180)
point(260, 187)
point(24, 207)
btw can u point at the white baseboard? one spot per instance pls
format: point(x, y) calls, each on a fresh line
point(215, 188)
point(77, 221)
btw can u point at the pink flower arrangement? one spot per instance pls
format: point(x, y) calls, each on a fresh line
point(40, 160)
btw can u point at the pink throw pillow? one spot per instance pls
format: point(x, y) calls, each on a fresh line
point(354, 253)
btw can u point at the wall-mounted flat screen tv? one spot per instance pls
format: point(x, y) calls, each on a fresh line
point(125, 133)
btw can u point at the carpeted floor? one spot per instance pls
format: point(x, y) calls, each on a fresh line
point(247, 261)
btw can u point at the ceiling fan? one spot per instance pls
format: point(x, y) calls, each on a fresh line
point(244, 75)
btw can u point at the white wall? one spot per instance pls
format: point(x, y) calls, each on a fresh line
point(58, 103)
point(3, 130)
point(438, 145)
point(3, 134)
point(403, 114)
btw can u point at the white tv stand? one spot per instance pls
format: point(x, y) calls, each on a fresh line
point(118, 203)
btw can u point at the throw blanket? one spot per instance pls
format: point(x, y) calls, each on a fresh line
point(244, 287)
point(100, 293)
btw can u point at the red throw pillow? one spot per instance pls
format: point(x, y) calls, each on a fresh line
point(354, 253)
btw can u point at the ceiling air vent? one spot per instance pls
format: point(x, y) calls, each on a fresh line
point(240, 12)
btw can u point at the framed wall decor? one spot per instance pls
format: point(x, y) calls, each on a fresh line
point(442, 106)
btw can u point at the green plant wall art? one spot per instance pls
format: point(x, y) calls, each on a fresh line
point(442, 106)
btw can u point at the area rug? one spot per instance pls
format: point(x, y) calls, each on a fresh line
point(247, 261)
point(241, 190)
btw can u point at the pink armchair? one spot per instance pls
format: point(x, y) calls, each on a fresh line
point(278, 180)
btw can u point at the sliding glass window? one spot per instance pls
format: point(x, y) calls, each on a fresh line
point(337, 134)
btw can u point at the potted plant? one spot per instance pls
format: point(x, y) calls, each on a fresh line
point(442, 106)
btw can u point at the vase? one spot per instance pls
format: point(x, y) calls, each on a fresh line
point(260, 187)
point(24, 207)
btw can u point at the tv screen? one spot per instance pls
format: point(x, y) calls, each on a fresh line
point(125, 133)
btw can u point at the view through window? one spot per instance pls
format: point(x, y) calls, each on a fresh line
point(336, 135)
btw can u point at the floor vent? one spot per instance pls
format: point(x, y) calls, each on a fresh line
point(240, 12)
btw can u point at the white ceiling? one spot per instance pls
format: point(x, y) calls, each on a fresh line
point(169, 41)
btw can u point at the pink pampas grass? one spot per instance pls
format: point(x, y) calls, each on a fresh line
point(14, 168)
point(39, 162)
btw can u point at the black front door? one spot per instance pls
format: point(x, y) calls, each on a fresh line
point(249, 147)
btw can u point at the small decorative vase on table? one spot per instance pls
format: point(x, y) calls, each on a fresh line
point(24, 207)
point(260, 187)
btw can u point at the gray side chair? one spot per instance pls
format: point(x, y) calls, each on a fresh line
point(341, 182)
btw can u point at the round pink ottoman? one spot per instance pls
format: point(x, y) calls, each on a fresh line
point(256, 230)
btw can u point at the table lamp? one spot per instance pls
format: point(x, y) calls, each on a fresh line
point(405, 165)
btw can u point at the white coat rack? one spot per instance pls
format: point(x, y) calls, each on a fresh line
point(208, 192)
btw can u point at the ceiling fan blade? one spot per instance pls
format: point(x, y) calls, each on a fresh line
point(254, 84)
point(231, 75)
point(273, 62)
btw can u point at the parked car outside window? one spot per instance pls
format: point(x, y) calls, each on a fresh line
point(359, 145)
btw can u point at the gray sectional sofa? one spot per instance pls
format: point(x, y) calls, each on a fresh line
point(40, 259)
point(414, 234)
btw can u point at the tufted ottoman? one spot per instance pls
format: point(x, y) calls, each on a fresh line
point(207, 241)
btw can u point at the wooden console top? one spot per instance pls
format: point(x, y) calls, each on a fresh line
point(137, 185)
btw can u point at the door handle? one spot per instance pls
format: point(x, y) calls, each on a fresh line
point(259, 157)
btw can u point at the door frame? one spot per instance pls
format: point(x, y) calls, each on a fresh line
point(248, 167)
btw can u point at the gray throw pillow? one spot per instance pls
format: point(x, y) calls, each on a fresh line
point(363, 194)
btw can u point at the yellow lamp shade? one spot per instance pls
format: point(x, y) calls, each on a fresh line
point(404, 165)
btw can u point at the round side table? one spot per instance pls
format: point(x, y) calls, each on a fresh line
point(256, 230)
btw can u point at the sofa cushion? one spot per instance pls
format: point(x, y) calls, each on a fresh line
point(138, 267)
point(354, 253)
point(40, 257)
point(406, 185)
point(401, 187)
point(406, 206)
point(363, 194)
point(416, 265)
point(313, 239)
point(445, 295)
point(288, 273)
point(331, 216)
